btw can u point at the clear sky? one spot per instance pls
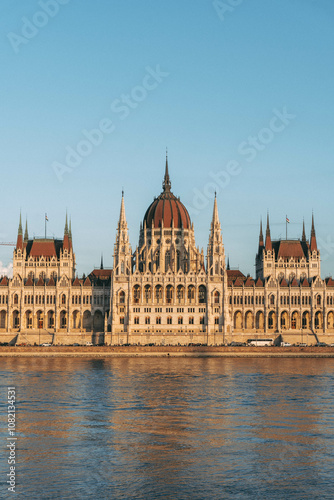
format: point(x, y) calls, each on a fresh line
point(241, 93)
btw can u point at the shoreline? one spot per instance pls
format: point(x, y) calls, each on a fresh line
point(165, 351)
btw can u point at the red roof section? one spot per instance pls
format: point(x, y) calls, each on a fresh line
point(29, 282)
point(249, 281)
point(259, 282)
point(76, 282)
point(51, 282)
point(87, 282)
point(330, 282)
point(45, 248)
point(40, 282)
point(305, 283)
point(102, 273)
point(290, 248)
point(284, 282)
point(169, 210)
point(4, 281)
point(294, 282)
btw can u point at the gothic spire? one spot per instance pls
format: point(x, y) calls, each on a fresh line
point(228, 263)
point(166, 185)
point(101, 266)
point(122, 218)
point(19, 242)
point(313, 242)
point(26, 237)
point(303, 235)
point(268, 237)
point(261, 244)
point(70, 229)
point(66, 225)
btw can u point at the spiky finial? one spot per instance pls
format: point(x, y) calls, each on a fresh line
point(268, 237)
point(26, 237)
point(66, 225)
point(101, 266)
point(20, 224)
point(166, 185)
point(304, 235)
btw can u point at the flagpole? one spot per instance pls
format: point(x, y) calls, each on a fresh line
point(45, 225)
point(286, 227)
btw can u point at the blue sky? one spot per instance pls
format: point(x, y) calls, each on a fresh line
point(209, 80)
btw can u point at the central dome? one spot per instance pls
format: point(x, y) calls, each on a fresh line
point(167, 209)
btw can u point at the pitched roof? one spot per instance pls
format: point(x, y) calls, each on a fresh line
point(294, 282)
point(29, 282)
point(329, 282)
point(284, 282)
point(76, 282)
point(51, 282)
point(4, 281)
point(40, 282)
point(87, 282)
point(103, 274)
point(259, 282)
point(290, 248)
point(305, 283)
point(249, 281)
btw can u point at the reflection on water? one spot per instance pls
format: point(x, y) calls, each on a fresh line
point(151, 428)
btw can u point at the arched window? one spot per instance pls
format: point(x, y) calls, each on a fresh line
point(272, 300)
point(63, 299)
point(147, 320)
point(122, 297)
point(136, 294)
point(191, 293)
point(216, 296)
point(216, 320)
point(169, 320)
point(180, 293)
point(136, 320)
point(16, 299)
point(147, 293)
point(158, 294)
point(191, 320)
point(202, 294)
point(158, 320)
point(178, 260)
point(167, 260)
point(169, 294)
point(180, 320)
point(318, 300)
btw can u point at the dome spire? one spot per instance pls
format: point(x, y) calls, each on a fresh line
point(166, 185)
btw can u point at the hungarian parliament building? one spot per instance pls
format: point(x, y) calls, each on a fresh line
point(166, 291)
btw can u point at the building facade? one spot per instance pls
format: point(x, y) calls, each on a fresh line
point(167, 291)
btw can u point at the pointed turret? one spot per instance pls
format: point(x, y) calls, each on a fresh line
point(228, 263)
point(122, 249)
point(26, 236)
point(101, 266)
point(261, 242)
point(268, 238)
point(66, 242)
point(166, 185)
point(304, 235)
point(216, 254)
point(19, 242)
point(313, 240)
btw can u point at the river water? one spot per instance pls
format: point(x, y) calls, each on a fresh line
point(171, 428)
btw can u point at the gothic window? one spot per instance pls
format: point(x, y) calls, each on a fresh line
point(158, 293)
point(178, 260)
point(180, 293)
point(180, 320)
point(63, 299)
point(202, 320)
point(169, 294)
point(158, 320)
point(136, 294)
point(16, 299)
point(169, 320)
point(136, 320)
point(202, 294)
point(216, 320)
point(272, 300)
point(147, 293)
point(121, 320)
point(191, 320)
point(167, 260)
point(318, 300)
point(191, 293)
point(216, 297)
point(122, 297)
point(122, 267)
point(147, 320)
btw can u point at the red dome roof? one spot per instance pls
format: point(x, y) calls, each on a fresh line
point(167, 208)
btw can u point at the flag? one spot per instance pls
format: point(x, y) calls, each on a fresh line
point(46, 218)
point(287, 220)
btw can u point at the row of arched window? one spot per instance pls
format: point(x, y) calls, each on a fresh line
point(170, 293)
point(170, 320)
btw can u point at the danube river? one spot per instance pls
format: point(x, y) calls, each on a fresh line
point(171, 428)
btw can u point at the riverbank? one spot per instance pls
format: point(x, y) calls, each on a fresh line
point(166, 351)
